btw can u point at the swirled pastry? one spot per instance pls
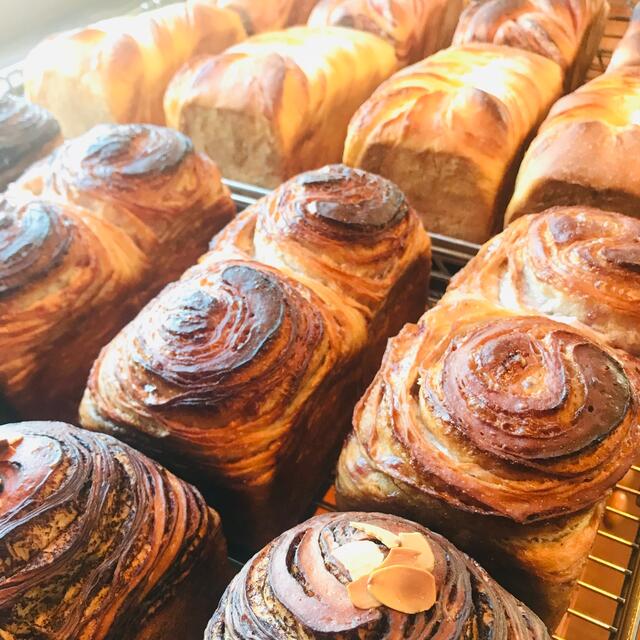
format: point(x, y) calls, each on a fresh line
point(505, 433)
point(119, 213)
point(243, 374)
point(297, 587)
point(27, 133)
point(279, 103)
point(268, 15)
point(576, 264)
point(99, 542)
point(117, 70)
point(416, 28)
point(450, 130)
point(560, 168)
point(566, 31)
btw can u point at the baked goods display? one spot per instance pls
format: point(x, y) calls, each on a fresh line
point(87, 236)
point(566, 31)
point(98, 541)
point(243, 374)
point(262, 15)
point(318, 580)
point(451, 129)
point(278, 103)
point(505, 433)
point(416, 28)
point(585, 151)
point(117, 70)
point(27, 133)
point(575, 264)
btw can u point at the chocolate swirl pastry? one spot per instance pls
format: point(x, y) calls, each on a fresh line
point(59, 267)
point(99, 542)
point(244, 373)
point(576, 264)
point(148, 180)
point(298, 587)
point(27, 133)
point(517, 427)
point(416, 28)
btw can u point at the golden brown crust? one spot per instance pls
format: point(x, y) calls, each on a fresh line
point(559, 167)
point(259, 16)
point(448, 130)
point(576, 264)
point(295, 587)
point(97, 538)
point(117, 70)
point(278, 103)
point(480, 419)
point(416, 28)
point(118, 213)
point(243, 373)
point(27, 133)
point(568, 32)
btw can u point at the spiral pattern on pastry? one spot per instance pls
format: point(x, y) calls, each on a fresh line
point(201, 348)
point(501, 415)
point(149, 176)
point(337, 225)
point(25, 129)
point(575, 263)
point(296, 587)
point(57, 262)
point(95, 536)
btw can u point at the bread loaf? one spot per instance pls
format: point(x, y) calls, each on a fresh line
point(585, 152)
point(416, 28)
point(450, 131)
point(98, 542)
point(243, 374)
point(117, 70)
point(505, 433)
point(566, 31)
point(269, 15)
point(279, 103)
point(87, 236)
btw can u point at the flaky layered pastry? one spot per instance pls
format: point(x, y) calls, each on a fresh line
point(279, 103)
point(117, 70)
point(450, 130)
point(27, 133)
point(296, 587)
point(585, 152)
point(98, 542)
point(566, 31)
point(416, 28)
point(259, 16)
point(505, 433)
point(243, 374)
point(575, 264)
point(87, 236)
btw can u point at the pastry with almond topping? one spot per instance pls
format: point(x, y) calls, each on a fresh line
point(367, 576)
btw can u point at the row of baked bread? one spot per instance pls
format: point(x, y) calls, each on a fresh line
point(450, 130)
point(100, 542)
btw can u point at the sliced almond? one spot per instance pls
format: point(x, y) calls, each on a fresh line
point(405, 589)
point(400, 556)
point(359, 594)
point(419, 543)
point(10, 441)
point(387, 538)
point(359, 558)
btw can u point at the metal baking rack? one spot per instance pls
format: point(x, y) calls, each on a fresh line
point(607, 606)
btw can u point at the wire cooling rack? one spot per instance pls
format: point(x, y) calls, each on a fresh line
point(607, 606)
